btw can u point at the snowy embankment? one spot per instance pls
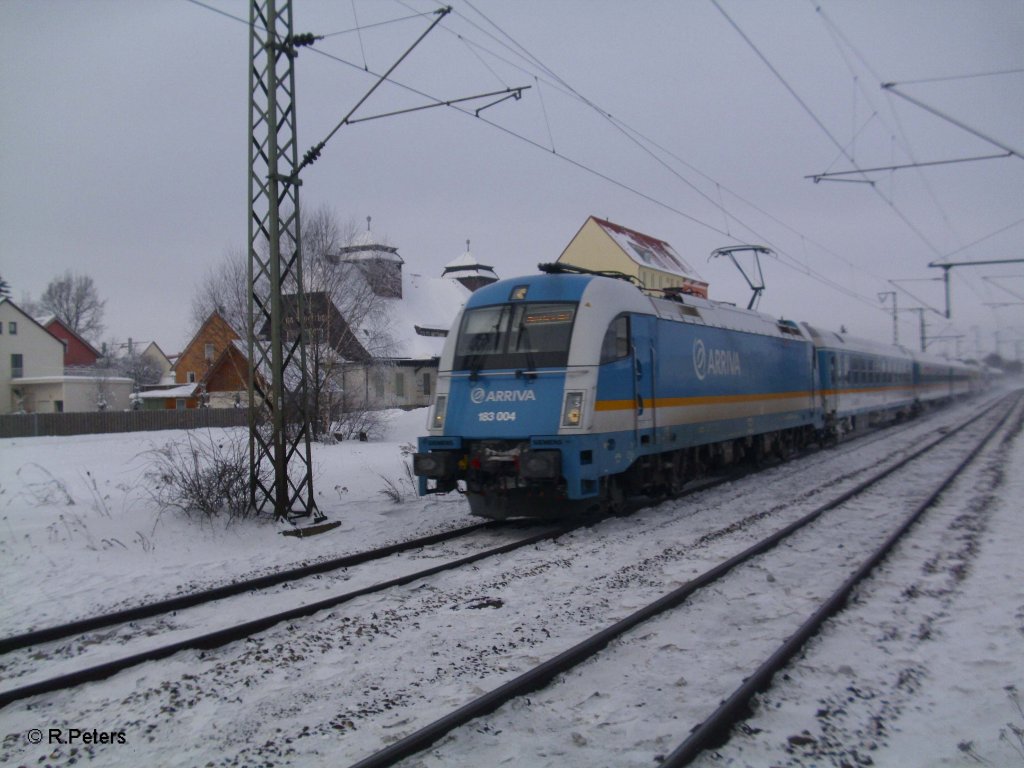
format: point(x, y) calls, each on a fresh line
point(915, 673)
point(81, 534)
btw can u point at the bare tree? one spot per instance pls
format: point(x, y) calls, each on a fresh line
point(329, 359)
point(326, 279)
point(30, 306)
point(224, 290)
point(74, 300)
point(129, 363)
point(322, 237)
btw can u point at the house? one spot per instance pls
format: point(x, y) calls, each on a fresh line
point(324, 325)
point(77, 351)
point(33, 378)
point(405, 337)
point(212, 370)
point(144, 360)
point(376, 342)
point(404, 327)
point(602, 246)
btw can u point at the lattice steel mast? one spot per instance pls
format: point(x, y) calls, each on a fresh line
point(278, 399)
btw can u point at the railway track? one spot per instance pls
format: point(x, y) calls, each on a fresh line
point(80, 629)
point(170, 605)
point(366, 645)
point(714, 726)
point(86, 632)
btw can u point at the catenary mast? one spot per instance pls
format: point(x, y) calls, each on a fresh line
point(280, 468)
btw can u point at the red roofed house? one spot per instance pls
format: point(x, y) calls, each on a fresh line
point(77, 351)
point(603, 246)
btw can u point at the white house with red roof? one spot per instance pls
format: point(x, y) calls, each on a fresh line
point(33, 377)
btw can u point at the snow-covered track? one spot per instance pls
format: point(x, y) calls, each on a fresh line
point(715, 729)
point(240, 631)
point(136, 613)
point(543, 674)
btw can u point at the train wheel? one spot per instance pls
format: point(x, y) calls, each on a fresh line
point(613, 498)
point(677, 474)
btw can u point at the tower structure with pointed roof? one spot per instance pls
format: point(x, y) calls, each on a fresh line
point(469, 271)
point(380, 263)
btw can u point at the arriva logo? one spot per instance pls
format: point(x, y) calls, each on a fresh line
point(717, 362)
point(480, 395)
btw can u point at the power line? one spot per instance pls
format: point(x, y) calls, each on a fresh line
point(1017, 223)
point(634, 136)
point(577, 163)
point(639, 140)
point(960, 77)
point(796, 265)
point(891, 88)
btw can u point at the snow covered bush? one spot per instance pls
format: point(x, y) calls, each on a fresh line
point(354, 422)
point(205, 476)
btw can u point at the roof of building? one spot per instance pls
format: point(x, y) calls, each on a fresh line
point(366, 247)
point(182, 390)
point(324, 323)
point(215, 317)
point(648, 251)
point(413, 326)
point(140, 348)
point(27, 316)
point(467, 265)
point(47, 320)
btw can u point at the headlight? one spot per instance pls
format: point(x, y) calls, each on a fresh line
point(437, 420)
point(572, 412)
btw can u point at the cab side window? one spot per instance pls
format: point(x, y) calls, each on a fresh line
point(615, 345)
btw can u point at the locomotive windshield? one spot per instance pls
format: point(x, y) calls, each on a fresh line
point(520, 335)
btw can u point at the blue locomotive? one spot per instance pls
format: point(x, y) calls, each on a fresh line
point(569, 391)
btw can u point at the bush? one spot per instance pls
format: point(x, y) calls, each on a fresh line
point(398, 490)
point(204, 476)
point(351, 424)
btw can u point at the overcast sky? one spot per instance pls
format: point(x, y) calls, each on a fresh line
point(123, 145)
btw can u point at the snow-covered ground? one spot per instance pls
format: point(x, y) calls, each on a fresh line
point(81, 534)
point(926, 668)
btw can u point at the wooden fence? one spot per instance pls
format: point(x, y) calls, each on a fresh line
point(37, 424)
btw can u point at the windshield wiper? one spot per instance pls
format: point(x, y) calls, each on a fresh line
point(530, 373)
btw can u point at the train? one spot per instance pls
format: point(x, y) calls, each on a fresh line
point(570, 392)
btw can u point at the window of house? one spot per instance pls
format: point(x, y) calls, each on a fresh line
point(180, 404)
point(58, 406)
point(399, 384)
point(190, 377)
point(209, 351)
point(12, 327)
point(378, 384)
point(426, 383)
point(17, 366)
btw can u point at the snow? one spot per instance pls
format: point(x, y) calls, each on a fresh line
point(467, 265)
point(184, 390)
point(916, 672)
point(427, 302)
point(643, 248)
